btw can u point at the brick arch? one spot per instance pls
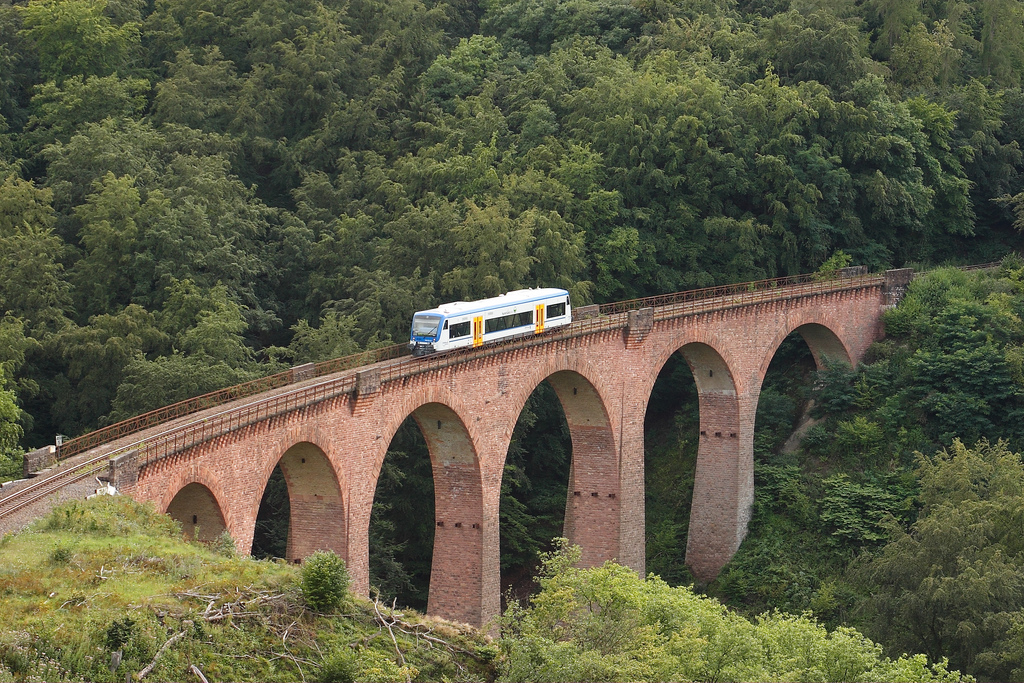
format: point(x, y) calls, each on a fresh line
point(820, 335)
point(457, 567)
point(550, 364)
point(193, 499)
point(302, 432)
point(707, 348)
point(412, 401)
point(724, 477)
point(318, 517)
point(592, 509)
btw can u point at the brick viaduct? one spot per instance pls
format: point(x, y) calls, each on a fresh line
point(330, 445)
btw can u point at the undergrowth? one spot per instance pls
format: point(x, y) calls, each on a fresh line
point(108, 589)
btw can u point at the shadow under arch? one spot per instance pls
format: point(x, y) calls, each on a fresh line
point(724, 474)
point(457, 587)
point(820, 339)
point(196, 509)
point(592, 508)
point(317, 519)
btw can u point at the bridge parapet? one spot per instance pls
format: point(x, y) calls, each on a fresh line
point(608, 317)
point(896, 283)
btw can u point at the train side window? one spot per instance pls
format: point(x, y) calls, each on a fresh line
point(459, 330)
point(445, 325)
point(556, 310)
point(508, 322)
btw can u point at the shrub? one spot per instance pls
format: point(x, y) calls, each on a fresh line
point(61, 554)
point(325, 581)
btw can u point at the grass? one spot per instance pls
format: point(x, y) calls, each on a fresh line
point(109, 579)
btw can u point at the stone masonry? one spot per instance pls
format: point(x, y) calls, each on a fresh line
point(331, 452)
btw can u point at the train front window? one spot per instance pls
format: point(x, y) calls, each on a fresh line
point(425, 325)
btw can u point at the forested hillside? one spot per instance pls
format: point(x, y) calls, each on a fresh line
point(194, 193)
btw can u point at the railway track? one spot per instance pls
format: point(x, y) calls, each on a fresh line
point(47, 485)
point(193, 421)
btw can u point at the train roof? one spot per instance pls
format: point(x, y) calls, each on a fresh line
point(519, 296)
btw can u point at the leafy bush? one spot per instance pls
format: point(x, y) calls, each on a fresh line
point(325, 581)
point(121, 632)
point(339, 667)
point(367, 666)
point(61, 554)
point(607, 623)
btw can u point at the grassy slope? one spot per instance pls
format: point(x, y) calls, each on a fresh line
point(110, 575)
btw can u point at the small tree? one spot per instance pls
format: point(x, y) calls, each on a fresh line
point(325, 581)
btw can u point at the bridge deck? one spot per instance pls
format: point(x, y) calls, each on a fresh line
point(283, 394)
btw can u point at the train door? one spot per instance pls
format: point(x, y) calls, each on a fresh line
point(540, 318)
point(478, 331)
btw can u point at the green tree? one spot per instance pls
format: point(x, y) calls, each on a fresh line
point(10, 431)
point(59, 110)
point(75, 38)
point(32, 281)
point(96, 357)
point(606, 623)
point(325, 581)
point(953, 584)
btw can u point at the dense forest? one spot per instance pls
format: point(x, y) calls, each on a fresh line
point(197, 193)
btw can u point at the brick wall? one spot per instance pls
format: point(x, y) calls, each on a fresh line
point(331, 452)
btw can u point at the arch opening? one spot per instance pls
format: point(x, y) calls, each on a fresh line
point(784, 401)
point(196, 509)
point(824, 344)
point(534, 487)
point(270, 537)
point(592, 513)
point(455, 563)
point(694, 433)
point(301, 508)
point(671, 430)
point(401, 532)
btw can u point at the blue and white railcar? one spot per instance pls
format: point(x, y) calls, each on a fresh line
point(475, 323)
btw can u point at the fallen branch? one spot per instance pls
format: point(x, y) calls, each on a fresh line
point(383, 621)
point(195, 670)
point(163, 648)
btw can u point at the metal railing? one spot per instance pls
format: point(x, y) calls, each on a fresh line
point(216, 398)
point(611, 316)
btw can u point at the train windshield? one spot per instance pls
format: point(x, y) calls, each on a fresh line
point(425, 325)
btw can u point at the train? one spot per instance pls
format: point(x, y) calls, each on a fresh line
point(463, 324)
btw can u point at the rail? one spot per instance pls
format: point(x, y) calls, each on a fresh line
point(199, 431)
point(695, 301)
point(220, 397)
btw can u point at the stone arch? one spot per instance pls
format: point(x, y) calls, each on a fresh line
point(819, 335)
point(457, 575)
point(553, 364)
point(723, 484)
point(317, 518)
point(593, 502)
point(702, 350)
point(196, 508)
point(413, 401)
